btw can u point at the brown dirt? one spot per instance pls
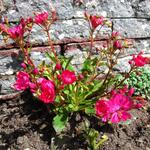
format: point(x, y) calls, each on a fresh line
point(26, 124)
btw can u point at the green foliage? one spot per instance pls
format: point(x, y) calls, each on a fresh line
point(140, 81)
point(93, 138)
point(59, 122)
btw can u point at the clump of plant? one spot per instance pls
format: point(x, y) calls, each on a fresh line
point(89, 91)
point(140, 80)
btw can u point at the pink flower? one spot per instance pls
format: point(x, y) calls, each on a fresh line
point(118, 106)
point(117, 44)
point(47, 90)
point(116, 109)
point(96, 21)
point(102, 109)
point(22, 81)
point(40, 80)
point(41, 18)
point(33, 87)
point(68, 77)
point(139, 60)
point(16, 32)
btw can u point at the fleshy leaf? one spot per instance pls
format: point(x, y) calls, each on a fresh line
point(59, 122)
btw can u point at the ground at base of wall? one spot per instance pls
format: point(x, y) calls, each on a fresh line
point(26, 125)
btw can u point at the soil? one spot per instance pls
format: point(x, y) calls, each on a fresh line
point(25, 124)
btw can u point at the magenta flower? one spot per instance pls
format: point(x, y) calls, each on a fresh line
point(117, 108)
point(33, 87)
point(22, 81)
point(139, 60)
point(96, 21)
point(68, 77)
point(47, 90)
point(102, 109)
point(41, 18)
point(16, 32)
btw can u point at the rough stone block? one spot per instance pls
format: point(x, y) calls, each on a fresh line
point(67, 9)
point(138, 46)
point(133, 28)
point(141, 8)
point(6, 83)
point(67, 31)
point(10, 60)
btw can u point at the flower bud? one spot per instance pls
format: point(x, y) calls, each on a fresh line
point(81, 76)
point(131, 91)
point(115, 34)
point(62, 86)
point(117, 45)
point(59, 77)
point(35, 71)
point(58, 66)
point(23, 65)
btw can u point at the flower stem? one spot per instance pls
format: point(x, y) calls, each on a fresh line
point(51, 44)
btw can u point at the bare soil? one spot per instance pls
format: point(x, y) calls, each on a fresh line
point(25, 124)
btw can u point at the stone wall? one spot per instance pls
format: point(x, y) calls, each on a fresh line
point(70, 32)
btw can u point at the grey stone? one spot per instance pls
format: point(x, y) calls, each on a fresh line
point(64, 31)
point(141, 45)
point(133, 28)
point(6, 83)
point(76, 29)
point(141, 8)
point(76, 53)
point(23, 8)
point(138, 46)
point(113, 8)
point(8, 65)
point(67, 9)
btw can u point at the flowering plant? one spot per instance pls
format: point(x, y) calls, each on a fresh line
point(89, 90)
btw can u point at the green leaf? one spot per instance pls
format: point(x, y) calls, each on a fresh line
point(90, 110)
point(59, 122)
point(87, 65)
point(46, 74)
point(50, 56)
point(67, 66)
point(127, 122)
point(95, 87)
point(68, 62)
point(57, 99)
point(66, 92)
